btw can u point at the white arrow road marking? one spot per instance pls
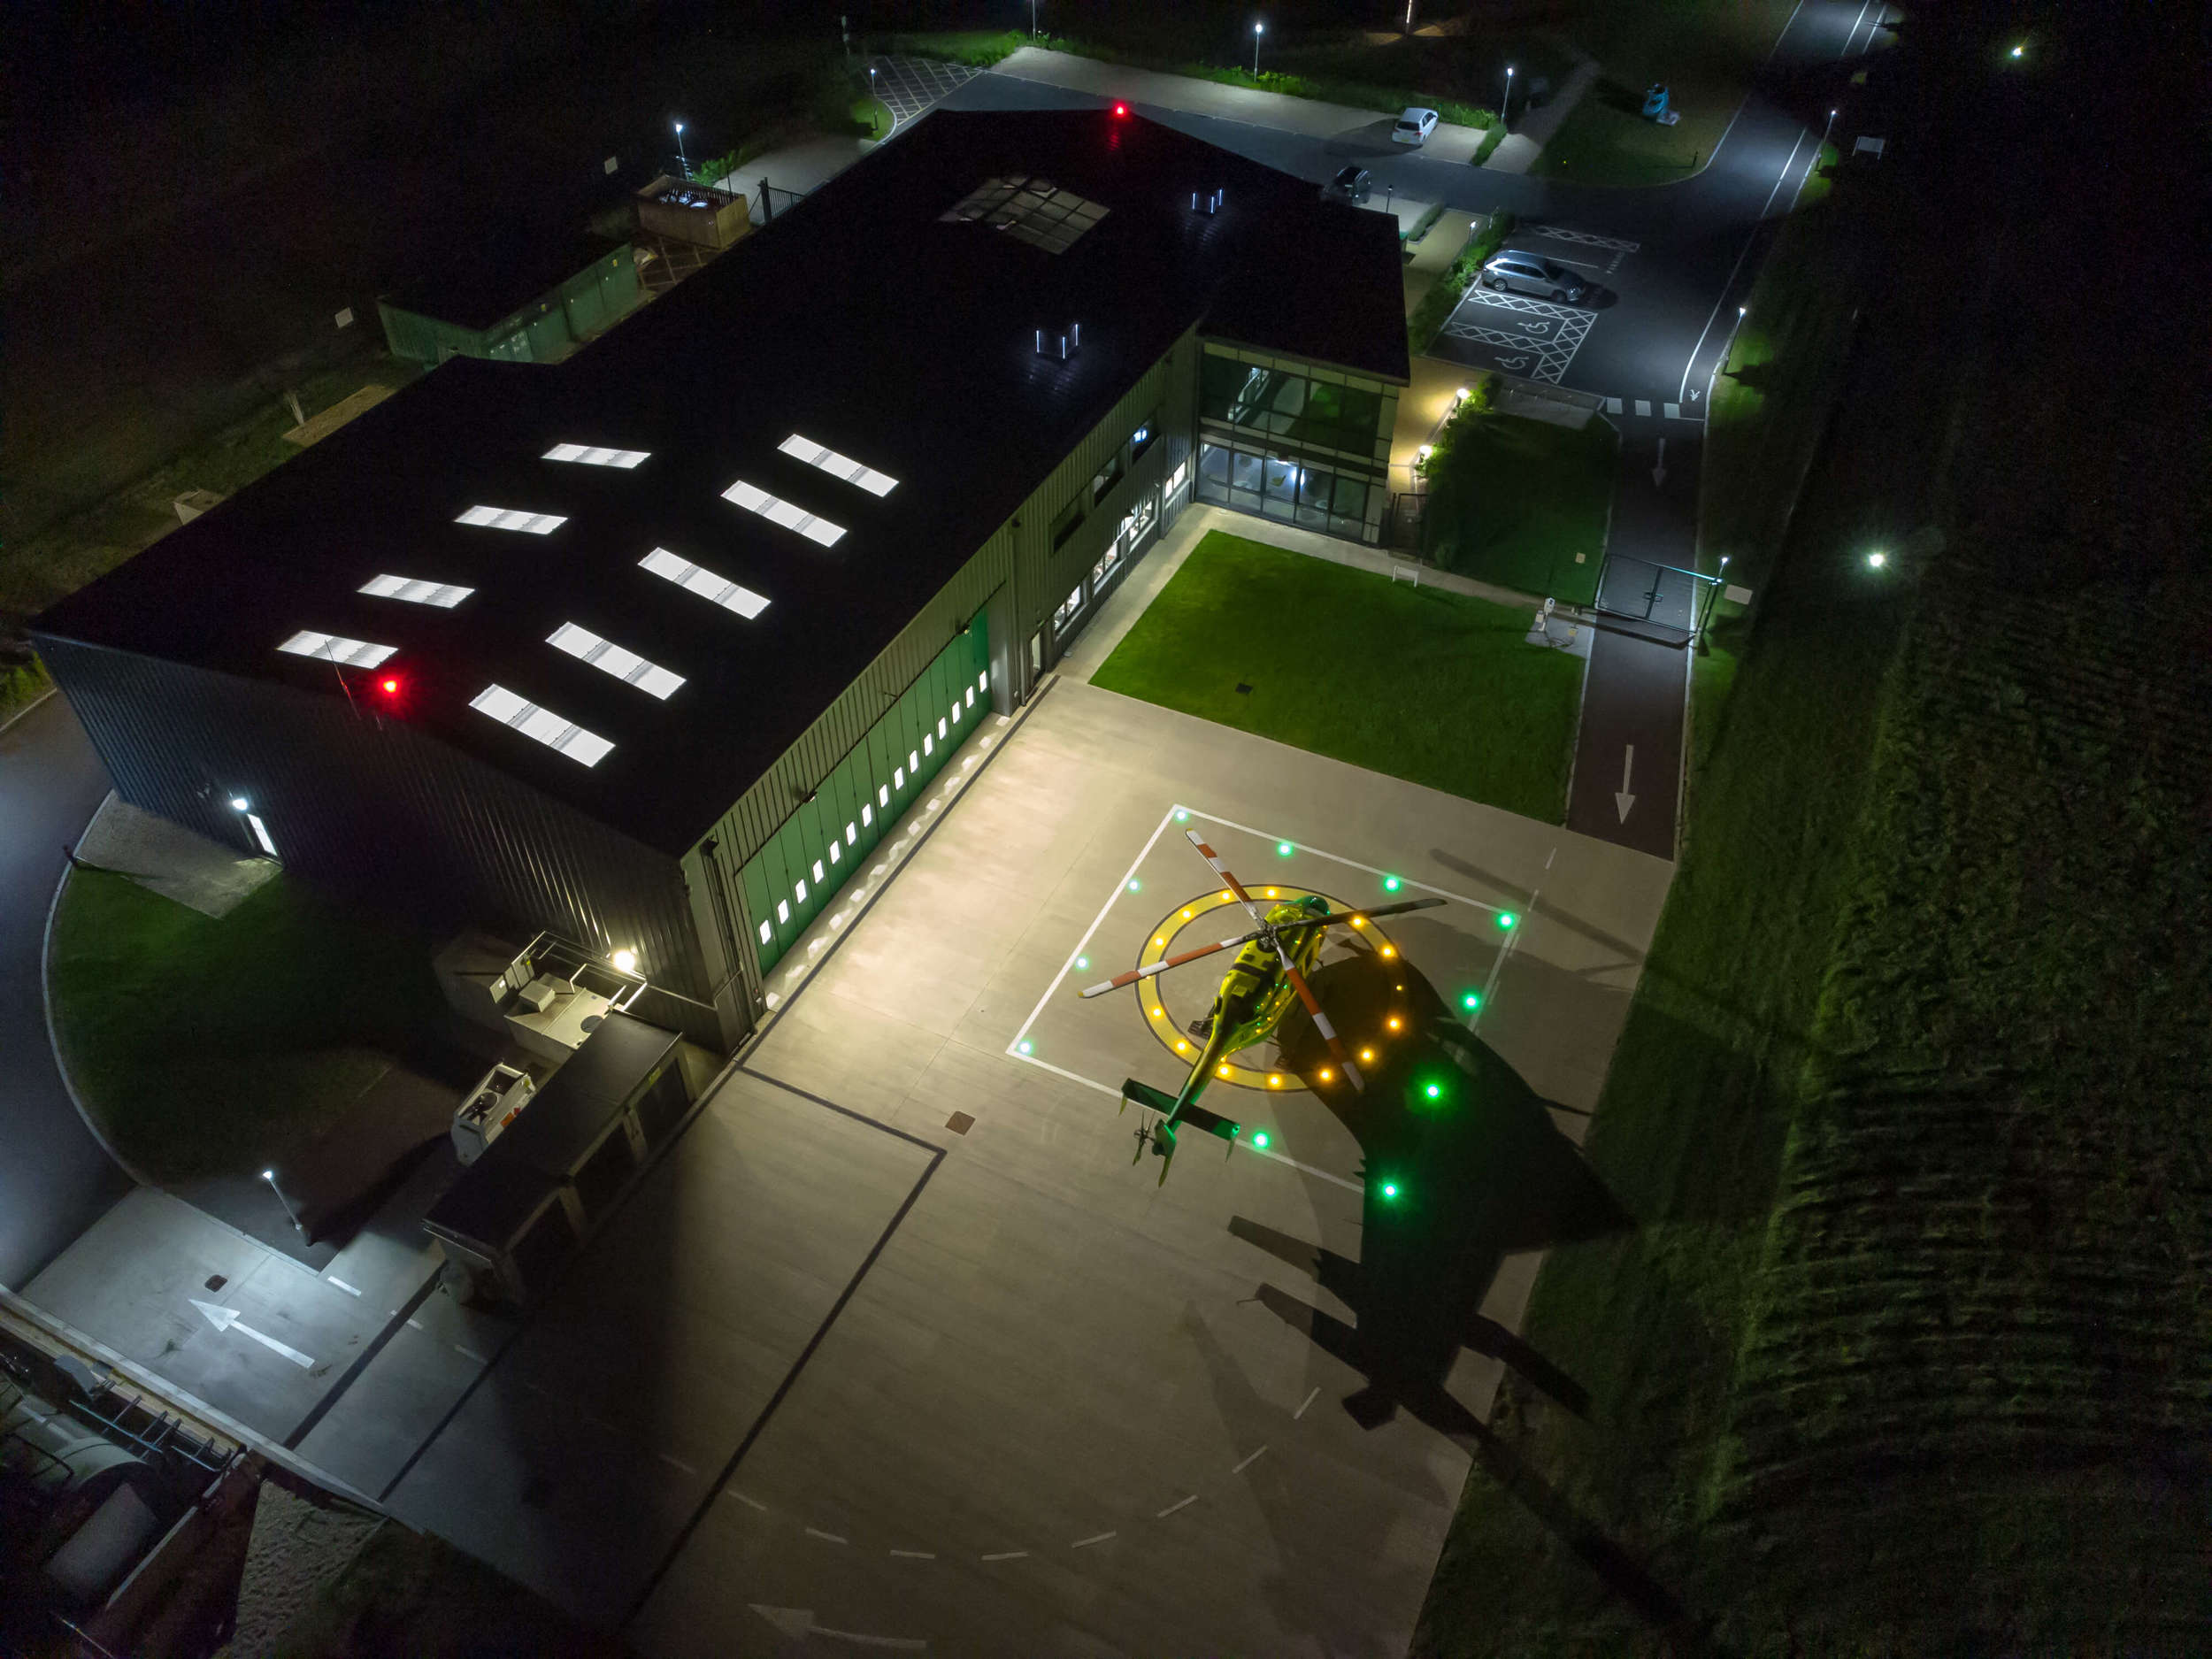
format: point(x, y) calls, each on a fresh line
point(799, 1621)
point(1622, 798)
point(1659, 471)
point(227, 1319)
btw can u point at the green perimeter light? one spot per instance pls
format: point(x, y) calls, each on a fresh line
point(1390, 1189)
point(1135, 886)
point(1182, 817)
point(1283, 849)
point(1023, 1044)
point(1505, 918)
point(1435, 1091)
point(1471, 1001)
point(1259, 1140)
point(1082, 961)
point(1390, 884)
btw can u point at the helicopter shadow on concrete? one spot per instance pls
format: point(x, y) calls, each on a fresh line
point(1456, 1182)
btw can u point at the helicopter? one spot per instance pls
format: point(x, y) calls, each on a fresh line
point(1267, 977)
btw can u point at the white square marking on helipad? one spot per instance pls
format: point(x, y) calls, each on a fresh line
point(1643, 405)
point(1121, 890)
point(1673, 411)
point(1612, 405)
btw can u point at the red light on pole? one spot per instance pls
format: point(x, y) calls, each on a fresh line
point(1120, 110)
point(391, 687)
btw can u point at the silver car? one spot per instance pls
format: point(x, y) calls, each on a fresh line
point(1516, 271)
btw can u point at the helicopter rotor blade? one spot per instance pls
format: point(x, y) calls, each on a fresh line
point(1227, 879)
point(1349, 916)
point(1135, 974)
point(1321, 1021)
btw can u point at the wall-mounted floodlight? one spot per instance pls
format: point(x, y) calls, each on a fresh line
point(239, 804)
point(624, 961)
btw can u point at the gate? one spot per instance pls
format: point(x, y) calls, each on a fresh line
point(1644, 591)
point(1405, 521)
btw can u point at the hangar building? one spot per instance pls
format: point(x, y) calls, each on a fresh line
point(649, 647)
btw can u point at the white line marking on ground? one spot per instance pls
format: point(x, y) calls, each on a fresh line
point(915, 1555)
point(750, 1503)
point(1097, 921)
point(1254, 1458)
point(1181, 1503)
point(1643, 405)
point(1309, 1399)
point(1008, 1555)
point(1549, 856)
point(827, 1538)
point(676, 1463)
point(1096, 1538)
point(470, 1353)
point(413, 1325)
point(335, 1280)
point(1684, 389)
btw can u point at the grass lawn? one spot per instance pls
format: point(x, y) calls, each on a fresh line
point(1432, 686)
point(206, 1045)
point(1513, 501)
point(1705, 50)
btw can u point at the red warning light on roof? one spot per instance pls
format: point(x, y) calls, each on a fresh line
point(391, 687)
point(1121, 110)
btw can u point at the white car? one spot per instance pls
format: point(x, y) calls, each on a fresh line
point(1414, 126)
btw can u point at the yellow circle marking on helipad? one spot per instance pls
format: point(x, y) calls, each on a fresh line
point(1196, 984)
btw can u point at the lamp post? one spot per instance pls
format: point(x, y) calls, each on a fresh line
point(871, 96)
point(1827, 130)
point(291, 1214)
point(681, 158)
point(1032, 19)
point(1258, 29)
point(1505, 110)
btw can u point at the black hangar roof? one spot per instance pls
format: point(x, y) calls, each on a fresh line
point(874, 321)
point(486, 283)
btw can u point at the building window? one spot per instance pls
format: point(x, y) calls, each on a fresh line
point(913, 761)
point(1282, 487)
point(929, 743)
point(1176, 480)
point(1107, 561)
point(261, 833)
point(1143, 439)
point(799, 893)
point(883, 799)
point(971, 698)
point(783, 911)
point(868, 813)
point(983, 680)
point(1070, 520)
point(852, 835)
point(766, 932)
point(1109, 475)
point(1069, 607)
point(898, 773)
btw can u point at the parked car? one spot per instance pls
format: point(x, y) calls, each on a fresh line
point(1514, 271)
point(1414, 126)
point(1351, 184)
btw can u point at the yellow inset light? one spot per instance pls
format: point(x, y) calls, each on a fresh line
point(1273, 893)
point(1390, 950)
point(1224, 897)
point(1395, 1023)
point(1221, 1071)
point(1359, 921)
point(1158, 942)
point(1181, 1047)
point(1367, 1055)
point(1274, 1082)
point(1159, 1013)
point(1186, 912)
point(1327, 1076)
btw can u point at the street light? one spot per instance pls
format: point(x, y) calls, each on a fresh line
point(872, 93)
point(291, 1214)
point(685, 163)
point(1505, 110)
point(1876, 559)
point(1258, 29)
point(1826, 130)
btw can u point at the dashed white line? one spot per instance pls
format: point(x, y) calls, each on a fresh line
point(1183, 1503)
point(1008, 1555)
point(1309, 1399)
point(1249, 1461)
point(414, 1324)
point(676, 1463)
point(915, 1555)
point(750, 1503)
point(827, 1538)
point(470, 1353)
point(1096, 1538)
point(333, 1278)
point(1643, 405)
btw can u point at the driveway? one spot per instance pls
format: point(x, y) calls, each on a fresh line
point(55, 1179)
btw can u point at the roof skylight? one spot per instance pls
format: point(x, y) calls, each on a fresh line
point(331, 649)
point(755, 499)
point(623, 665)
point(511, 519)
point(549, 728)
point(1031, 209)
point(415, 591)
point(706, 584)
point(838, 465)
point(591, 454)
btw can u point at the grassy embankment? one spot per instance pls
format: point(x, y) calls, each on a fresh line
point(1432, 686)
point(1909, 1353)
point(211, 1046)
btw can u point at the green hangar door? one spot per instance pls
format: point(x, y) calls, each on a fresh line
point(798, 874)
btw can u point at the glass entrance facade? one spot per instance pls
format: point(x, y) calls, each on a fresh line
point(1296, 440)
point(799, 873)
